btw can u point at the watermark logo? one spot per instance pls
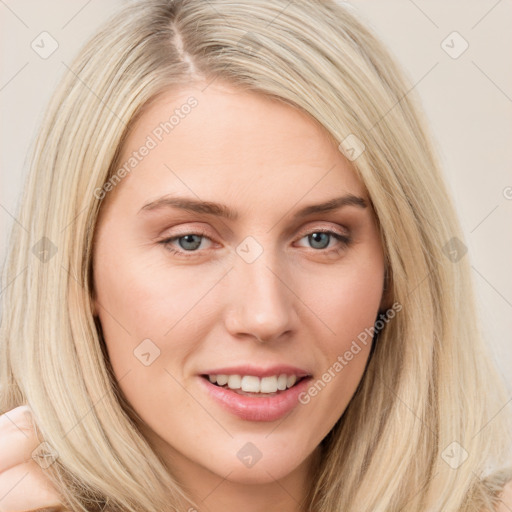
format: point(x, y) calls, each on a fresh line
point(44, 455)
point(352, 147)
point(44, 249)
point(146, 352)
point(454, 45)
point(454, 249)
point(249, 454)
point(44, 45)
point(249, 249)
point(454, 455)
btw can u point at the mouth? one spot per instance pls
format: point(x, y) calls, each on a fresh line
point(255, 405)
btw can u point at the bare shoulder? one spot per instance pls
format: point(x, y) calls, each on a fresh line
point(506, 498)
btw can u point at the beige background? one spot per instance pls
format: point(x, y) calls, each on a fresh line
point(468, 101)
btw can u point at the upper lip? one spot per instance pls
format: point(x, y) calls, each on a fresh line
point(248, 369)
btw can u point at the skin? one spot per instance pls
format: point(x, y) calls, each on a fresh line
point(265, 160)
point(23, 483)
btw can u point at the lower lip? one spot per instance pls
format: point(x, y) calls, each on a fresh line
point(258, 408)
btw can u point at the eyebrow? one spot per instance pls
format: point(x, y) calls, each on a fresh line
point(221, 210)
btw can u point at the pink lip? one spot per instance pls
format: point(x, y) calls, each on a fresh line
point(258, 372)
point(256, 408)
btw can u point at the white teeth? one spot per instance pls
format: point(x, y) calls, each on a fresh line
point(281, 382)
point(291, 381)
point(249, 383)
point(252, 384)
point(222, 379)
point(235, 382)
point(268, 385)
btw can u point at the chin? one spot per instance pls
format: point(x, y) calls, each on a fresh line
point(272, 466)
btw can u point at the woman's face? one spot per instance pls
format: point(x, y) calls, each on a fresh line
point(276, 288)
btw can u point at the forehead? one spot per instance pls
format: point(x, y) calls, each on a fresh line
point(221, 139)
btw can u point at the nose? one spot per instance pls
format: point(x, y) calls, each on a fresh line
point(260, 301)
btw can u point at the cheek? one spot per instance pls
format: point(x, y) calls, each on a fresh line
point(347, 299)
point(140, 293)
point(137, 310)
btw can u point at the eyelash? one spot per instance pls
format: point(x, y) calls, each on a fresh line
point(344, 241)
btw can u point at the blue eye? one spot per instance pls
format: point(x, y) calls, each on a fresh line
point(321, 239)
point(189, 243)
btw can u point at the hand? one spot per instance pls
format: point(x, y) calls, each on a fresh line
point(23, 483)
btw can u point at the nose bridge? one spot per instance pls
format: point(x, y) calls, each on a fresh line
point(261, 304)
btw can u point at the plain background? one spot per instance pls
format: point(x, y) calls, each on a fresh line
point(467, 100)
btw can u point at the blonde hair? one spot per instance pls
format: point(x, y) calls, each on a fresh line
point(429, 382)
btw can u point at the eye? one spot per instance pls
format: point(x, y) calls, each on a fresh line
point(188, 242)
point(320, 239)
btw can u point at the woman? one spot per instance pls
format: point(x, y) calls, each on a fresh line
point(233, 290)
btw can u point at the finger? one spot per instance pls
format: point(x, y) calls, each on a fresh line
point(18, 438)
point(22, 414)
point(26, 487)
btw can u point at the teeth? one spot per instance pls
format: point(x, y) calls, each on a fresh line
point(252, 384)
point(281, 382)
point(234, 381)
point(222, 379)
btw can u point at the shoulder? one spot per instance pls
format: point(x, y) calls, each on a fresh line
point(505, 504)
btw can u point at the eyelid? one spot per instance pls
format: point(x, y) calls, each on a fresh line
point(178, 231)
point(323, 229)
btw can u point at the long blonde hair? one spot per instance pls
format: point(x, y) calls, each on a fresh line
point(430, 391)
